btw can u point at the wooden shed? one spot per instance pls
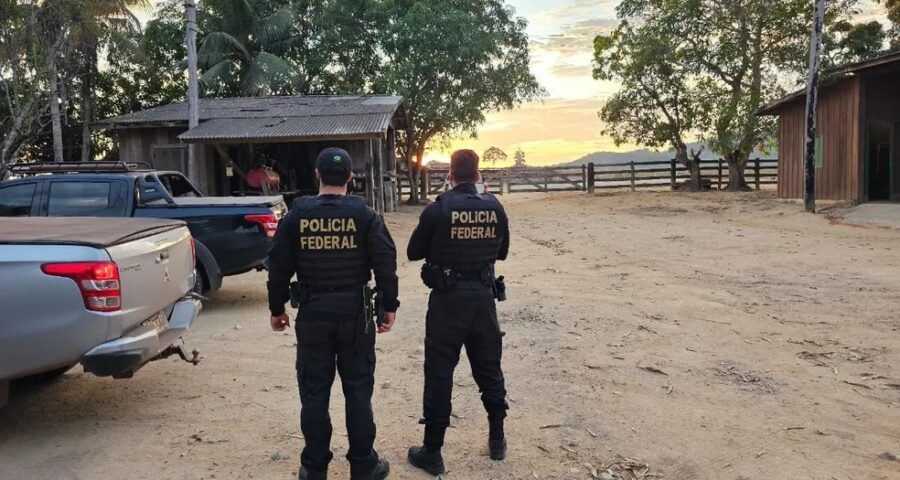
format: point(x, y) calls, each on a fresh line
point(858, 133)
point(236, 135)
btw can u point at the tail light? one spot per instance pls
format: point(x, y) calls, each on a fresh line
point(98, 282)
point(268, 222)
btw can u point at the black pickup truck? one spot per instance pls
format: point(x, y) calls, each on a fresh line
point(232, 234)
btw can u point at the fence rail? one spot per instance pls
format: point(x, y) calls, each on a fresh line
point(632, 175)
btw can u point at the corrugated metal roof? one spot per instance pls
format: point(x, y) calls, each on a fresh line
point(288, 128)
point(270, 118)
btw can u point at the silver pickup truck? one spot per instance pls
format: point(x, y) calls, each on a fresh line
point(109, 293)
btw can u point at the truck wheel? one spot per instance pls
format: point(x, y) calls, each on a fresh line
point(200, 285)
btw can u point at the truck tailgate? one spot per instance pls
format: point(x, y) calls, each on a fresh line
point(155, 272)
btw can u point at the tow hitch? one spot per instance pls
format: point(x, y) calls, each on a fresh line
point(178, 350)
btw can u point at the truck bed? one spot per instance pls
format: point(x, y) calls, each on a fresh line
point(95, 232)
point(269, 201)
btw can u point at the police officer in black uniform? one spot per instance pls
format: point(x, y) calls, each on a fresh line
point(461, 236)
point(333, 242)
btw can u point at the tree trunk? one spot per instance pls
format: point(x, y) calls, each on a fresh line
point(411, 171)
point(420, 155)
point(737, 163)
point(87, 104)
point(55, 116)
point(696, 183)
point(692, 164)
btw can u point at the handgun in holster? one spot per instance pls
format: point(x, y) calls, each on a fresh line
point(436, 277)
point(299, 294)
point(500, 288)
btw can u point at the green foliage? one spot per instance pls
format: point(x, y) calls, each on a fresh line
point(742, 54)
point(452, 61)
point(659, 103)
point(520, 158)
point(846, 42)
point(494, 155)
point(893, 13)
point(281, 47)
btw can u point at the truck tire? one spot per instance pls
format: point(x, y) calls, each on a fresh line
point(201, 285)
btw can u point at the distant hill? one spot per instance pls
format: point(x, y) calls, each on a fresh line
point(645, 155)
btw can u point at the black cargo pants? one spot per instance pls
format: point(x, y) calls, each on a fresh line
point(332, 335)
point(464, 315)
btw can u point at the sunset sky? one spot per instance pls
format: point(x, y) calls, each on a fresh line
point(564, 125)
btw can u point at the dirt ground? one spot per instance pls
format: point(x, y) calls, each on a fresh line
point(650, 335)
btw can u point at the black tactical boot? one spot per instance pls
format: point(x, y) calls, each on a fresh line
point(311, 475)
point(430, 461)
point(497, 440)
point(498, 448)
point(380, 472)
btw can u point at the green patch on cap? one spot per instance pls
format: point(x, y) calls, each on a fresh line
point(337, 159)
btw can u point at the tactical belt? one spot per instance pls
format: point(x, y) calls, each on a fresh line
point(465, 276)
point(313, 289)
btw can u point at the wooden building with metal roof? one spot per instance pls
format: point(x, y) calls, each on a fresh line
point(858, 134)
point(285, 134)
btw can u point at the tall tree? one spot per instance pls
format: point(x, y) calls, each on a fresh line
point(743, 49)
point(520, 158)
point(452, 61)
point(24, 76)
point(239, 50)
point(659, 103)
point(97, 24)
point(494, 155)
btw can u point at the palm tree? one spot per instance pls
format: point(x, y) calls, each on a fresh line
point(79, 27)
point(239, 54)
point(97, 21)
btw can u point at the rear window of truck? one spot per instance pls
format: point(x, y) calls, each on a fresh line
point(86, 199)
point(15, 200)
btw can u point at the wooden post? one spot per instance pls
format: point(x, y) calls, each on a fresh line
point(190, 7)
point(632, 176)
point(591, 177)
point(378, 184)
point(756, 172)
point(584, 177)
point(424, 183)
point(812, 97)
point(370, 182)
point(546, 179)
point(674, 181)
point(719, 185)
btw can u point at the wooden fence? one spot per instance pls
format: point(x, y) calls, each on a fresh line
point(591, 177)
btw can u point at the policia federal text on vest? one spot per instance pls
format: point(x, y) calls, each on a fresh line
point(461, 236)
point(333, 243)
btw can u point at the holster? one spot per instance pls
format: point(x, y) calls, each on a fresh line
point(374, 305)
point(299, 294)
point(500, 289)
point(437, 278)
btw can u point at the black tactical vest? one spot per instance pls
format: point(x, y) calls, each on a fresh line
point(332, 249)
point(470, 233)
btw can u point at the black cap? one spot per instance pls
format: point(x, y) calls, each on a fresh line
point(334, 160)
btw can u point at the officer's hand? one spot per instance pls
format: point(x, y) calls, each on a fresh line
point(389, 319)
point(281, 322)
